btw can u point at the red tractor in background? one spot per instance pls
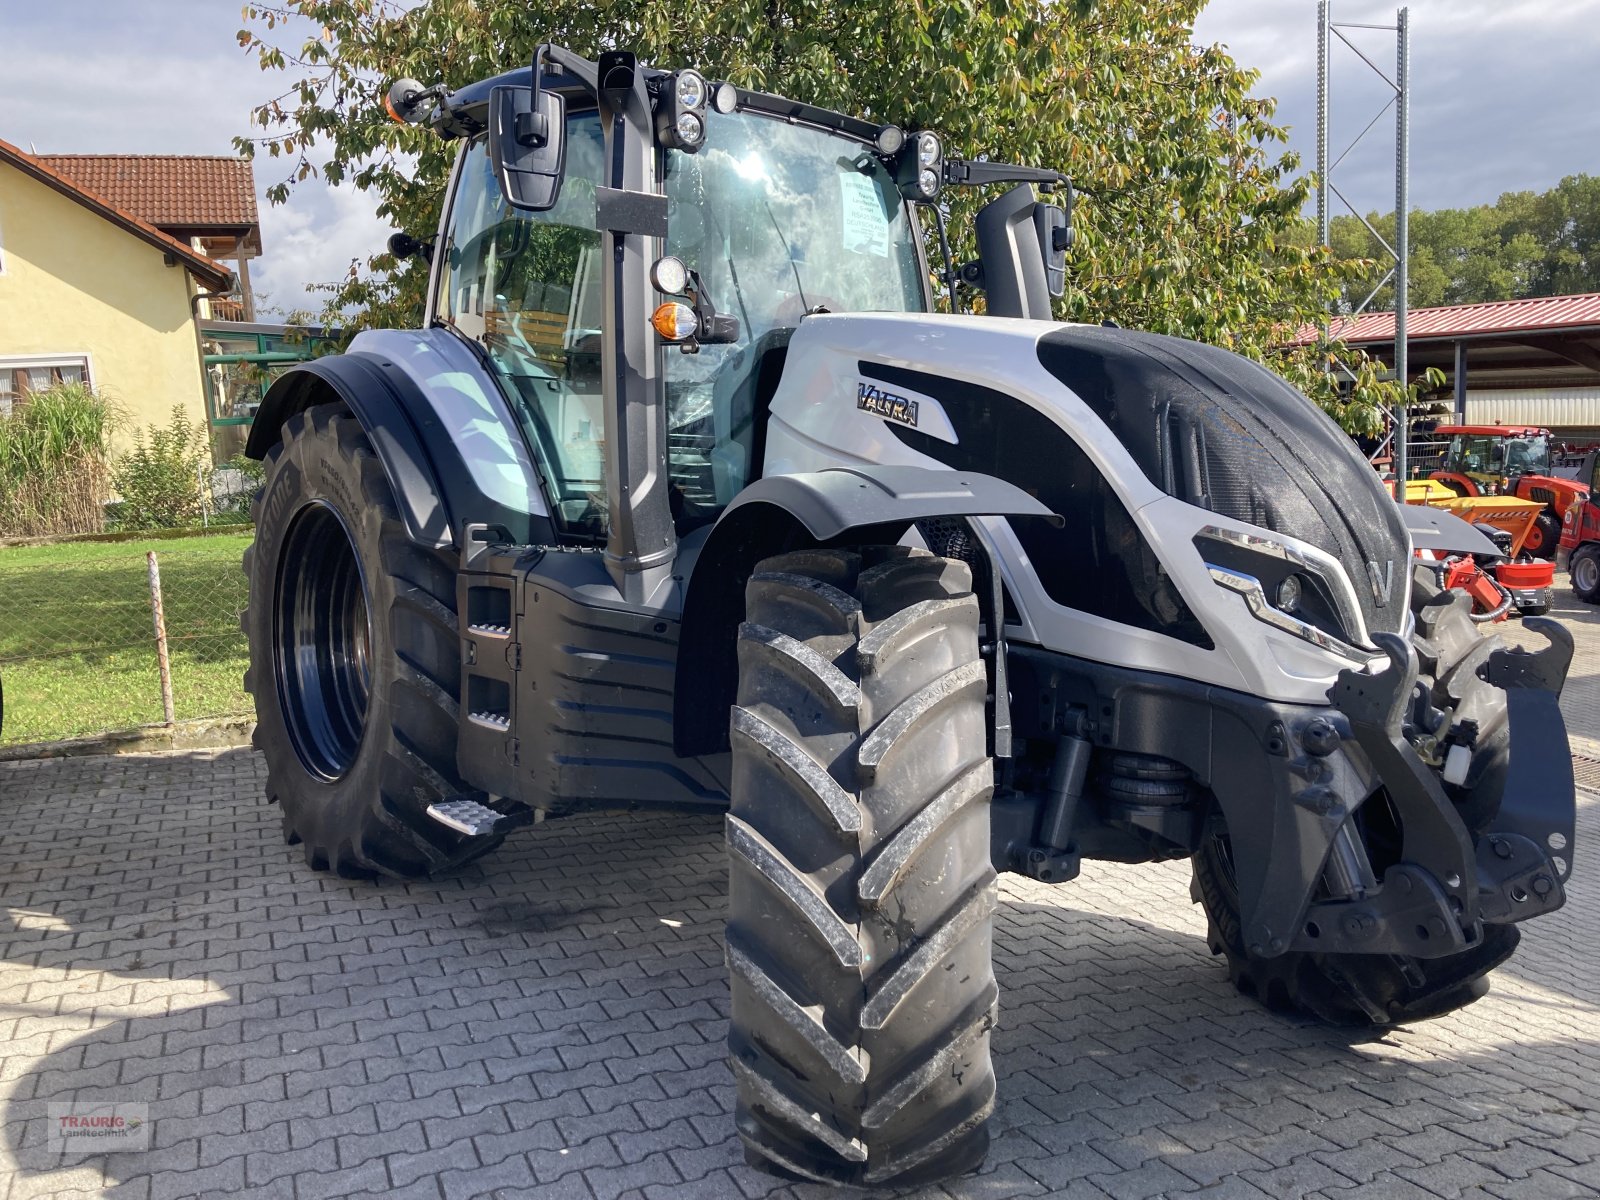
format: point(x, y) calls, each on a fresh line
point(1511, 460)
point(1580, 533)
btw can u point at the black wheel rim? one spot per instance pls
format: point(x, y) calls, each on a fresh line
point(323, 642)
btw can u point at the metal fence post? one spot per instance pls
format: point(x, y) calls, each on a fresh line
point(161, 638)
point(1402, 241)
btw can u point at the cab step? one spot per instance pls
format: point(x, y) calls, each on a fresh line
point(469, 815)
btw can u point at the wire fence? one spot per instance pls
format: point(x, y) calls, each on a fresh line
point(79, 647)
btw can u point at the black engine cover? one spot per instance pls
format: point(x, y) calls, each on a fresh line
point(1221, 432)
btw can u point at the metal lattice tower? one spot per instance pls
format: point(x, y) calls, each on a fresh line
point(1399, 252)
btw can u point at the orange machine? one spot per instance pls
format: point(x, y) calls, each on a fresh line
point(1495, 587)
point(1510, 460)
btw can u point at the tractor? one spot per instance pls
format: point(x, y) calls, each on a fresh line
point(1580, 535)
point(684, 497)
point(1508, 460)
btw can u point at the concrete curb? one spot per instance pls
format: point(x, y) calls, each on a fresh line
point(209, 733)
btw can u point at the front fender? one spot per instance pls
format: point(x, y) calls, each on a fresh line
point(789, 512)
point(836, 501)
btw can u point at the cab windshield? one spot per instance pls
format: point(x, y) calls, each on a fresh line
point(782, 219)
point(778, 219)
point(1494, 454)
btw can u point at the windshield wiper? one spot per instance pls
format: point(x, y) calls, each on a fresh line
point(789, 254)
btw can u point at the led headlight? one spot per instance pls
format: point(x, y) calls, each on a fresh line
point(1288, 594)
point(690, 90)
point(681, 111)
point(670, 275)
point(920, 168)
point(1290, 584)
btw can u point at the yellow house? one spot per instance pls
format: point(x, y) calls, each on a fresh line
point(90, 292)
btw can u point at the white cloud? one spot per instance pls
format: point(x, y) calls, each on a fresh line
point(314, 240)
point(1499, 91)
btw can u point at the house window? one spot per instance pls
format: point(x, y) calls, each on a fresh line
point(20, 378)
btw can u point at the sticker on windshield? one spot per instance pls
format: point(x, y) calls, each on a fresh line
point(866, 226)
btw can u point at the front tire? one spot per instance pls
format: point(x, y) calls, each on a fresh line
point(1349, 990)
point(1378, 990)
point(354, 657)
point(861, 892)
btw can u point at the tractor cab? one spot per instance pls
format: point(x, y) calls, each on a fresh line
point(1580, 533)
point(1484, 459)
point(1510, 460)
point(603, 210)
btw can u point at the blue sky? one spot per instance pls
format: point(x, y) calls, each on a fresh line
point(1502, 100)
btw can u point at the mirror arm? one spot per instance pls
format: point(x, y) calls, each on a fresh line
point(580, 68)
point(715, 329)
point(973, 173)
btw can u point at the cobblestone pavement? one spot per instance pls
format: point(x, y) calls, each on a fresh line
point(550, 1023)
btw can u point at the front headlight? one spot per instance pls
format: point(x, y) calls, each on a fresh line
point(1289, 585)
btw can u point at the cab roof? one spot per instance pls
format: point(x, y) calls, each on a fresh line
point(1494, 430)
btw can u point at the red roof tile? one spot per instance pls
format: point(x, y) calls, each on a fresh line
point(1462, 320)
point(207, 270)
point(166, 190)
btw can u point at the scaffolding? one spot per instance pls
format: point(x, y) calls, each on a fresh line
point(1399, 251)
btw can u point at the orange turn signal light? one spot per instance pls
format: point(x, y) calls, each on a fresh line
point(675, 322)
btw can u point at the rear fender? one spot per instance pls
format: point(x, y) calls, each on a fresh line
point(453, 453)
point(839, 506)
point(1557, 494)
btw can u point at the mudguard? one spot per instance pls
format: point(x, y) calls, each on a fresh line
point(833, 502)
point(788, 512)
point(447, 440)
point(1437, 529)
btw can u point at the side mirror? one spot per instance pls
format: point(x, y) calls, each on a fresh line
point(1009, 259)
point(1054, 227)
point(527, 145)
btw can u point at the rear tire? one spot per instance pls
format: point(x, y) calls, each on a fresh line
point(1585, 569)
point(354, 656)
point(861, 892)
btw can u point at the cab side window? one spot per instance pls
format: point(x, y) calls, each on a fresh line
point(527, 287)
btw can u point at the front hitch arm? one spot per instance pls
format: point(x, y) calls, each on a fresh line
point(1539, 801)
point(1433, 834)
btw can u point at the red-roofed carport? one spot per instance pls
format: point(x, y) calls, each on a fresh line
point(1507, 362)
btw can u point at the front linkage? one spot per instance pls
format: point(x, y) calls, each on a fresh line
point(1456, 888)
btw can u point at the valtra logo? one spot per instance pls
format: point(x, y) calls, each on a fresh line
point(873, 399)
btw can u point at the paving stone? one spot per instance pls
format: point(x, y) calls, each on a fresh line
point(302, 1036)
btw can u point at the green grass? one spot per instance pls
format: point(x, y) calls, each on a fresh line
point(77, 645)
